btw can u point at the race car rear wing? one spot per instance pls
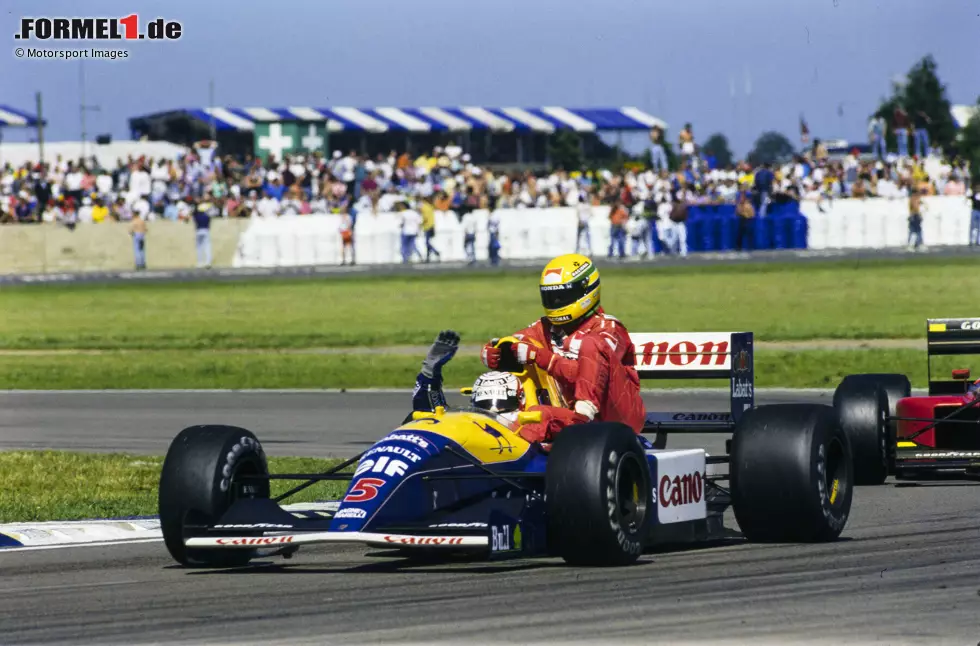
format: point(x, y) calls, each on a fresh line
point(699, 355)
point(950, 337)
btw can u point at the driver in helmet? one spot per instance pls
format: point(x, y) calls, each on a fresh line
point(973, 390)
point(499, 392)
point(588, 352)
point(495, 391)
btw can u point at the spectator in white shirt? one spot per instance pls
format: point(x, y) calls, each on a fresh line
point(637, 229)
point(85, 211)
point(469, 222)
point(493, 230)
point(139, 183)
point(453, 150)
point(584, 212)
point(103, 183)
point(73, 183)
point(411, 223)
point(664, 225)
point(267, 207)
point(142, 207)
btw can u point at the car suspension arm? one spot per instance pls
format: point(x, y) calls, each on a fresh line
point(482, 467)
point(343, 465)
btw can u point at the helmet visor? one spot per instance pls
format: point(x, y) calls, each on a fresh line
point(554, 297)
point(498, 404)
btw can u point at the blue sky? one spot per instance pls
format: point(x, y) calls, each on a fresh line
point(678, 60)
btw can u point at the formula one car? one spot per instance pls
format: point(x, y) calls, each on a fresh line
point(893, 432)
point(464, 480)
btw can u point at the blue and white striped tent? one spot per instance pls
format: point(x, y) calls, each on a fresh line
point(15, 118)
point(432, 119)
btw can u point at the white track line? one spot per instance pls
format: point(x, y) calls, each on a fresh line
point(34, 548)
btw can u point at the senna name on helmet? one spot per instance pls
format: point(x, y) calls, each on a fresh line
point(569, 289)
point(498, 392)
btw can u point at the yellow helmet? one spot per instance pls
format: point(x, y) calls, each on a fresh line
point(569, 288)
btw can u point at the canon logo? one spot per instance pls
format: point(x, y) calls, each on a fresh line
point(682, 353)
point(702, 417)
point(681, 490)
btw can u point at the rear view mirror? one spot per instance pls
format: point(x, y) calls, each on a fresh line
point(466, 391)
point(961, 373)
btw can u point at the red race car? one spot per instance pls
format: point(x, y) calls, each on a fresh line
point(892, 431)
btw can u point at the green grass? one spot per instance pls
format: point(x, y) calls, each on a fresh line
point(881, 299)
point(183, 369)
point(59, 485)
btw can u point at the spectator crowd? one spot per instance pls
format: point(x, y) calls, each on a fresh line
point(202, 185)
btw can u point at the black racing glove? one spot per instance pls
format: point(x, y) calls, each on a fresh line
point(441, 351)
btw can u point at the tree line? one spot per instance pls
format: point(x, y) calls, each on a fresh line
point(921, 91)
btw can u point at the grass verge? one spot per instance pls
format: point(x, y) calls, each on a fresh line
point(209, 369)
point(855, 299)
point(61, 485)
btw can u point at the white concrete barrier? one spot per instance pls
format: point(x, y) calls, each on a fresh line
point(878, 223)
point(315, 239)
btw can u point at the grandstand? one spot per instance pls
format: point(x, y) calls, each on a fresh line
point(505, 135)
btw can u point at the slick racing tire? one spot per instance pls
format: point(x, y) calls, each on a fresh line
point(598, 495)
point(198, 484)
point(791, 474)
point(862, 407)
point(896, 387)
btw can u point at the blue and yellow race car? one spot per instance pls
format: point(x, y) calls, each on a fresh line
point(464, 480)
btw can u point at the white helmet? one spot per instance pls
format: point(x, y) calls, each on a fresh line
point(498, 392)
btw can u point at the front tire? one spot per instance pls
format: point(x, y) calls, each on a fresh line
point(791, 474)
point(198, 484)
point(598, 495)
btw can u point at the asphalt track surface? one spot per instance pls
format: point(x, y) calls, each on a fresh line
point(906, 571)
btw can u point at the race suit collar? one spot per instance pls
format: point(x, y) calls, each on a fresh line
point(560, 334)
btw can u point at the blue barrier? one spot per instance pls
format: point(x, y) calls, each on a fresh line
point(714, 227)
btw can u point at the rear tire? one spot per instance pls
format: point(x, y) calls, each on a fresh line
point(598, 495)
point(197, 486)
point(791, 474)
point(862, 406)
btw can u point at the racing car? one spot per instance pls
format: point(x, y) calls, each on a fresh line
point(894, 432)
point(464, 480)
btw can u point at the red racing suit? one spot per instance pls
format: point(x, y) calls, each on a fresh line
point(594, 364)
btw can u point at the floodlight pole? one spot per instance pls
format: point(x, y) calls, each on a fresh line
point(83, 108)
point(211, 103)
point(40, 127)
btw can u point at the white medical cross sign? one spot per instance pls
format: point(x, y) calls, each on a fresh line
point(275, 142)
point(312, 141)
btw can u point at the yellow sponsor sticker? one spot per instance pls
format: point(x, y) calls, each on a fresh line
point(937, 327)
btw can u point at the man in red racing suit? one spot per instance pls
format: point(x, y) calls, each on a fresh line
point(591, 358)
